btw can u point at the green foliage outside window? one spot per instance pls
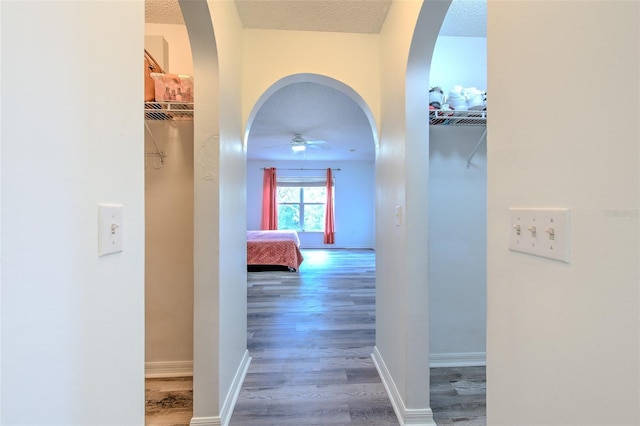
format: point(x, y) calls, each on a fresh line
point(289, 217)
point(301, 208)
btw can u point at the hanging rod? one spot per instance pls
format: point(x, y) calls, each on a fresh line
point(263, 168)
point(484, 134)
point(160, 153)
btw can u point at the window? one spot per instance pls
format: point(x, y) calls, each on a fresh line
point(301, 203)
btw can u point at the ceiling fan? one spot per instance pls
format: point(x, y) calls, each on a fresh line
point(300, 144)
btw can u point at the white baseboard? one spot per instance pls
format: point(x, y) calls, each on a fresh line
point(406, 416)
point(232, 396)
point(463, 359)
point(230, 401)
point(205, 421)
point(168, 369)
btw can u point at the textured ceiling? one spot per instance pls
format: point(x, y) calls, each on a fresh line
point(162, 12)
point(351, 16)
point(465, 18)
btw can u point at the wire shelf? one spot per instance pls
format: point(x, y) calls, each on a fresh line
point(441, 117)
point(168, 111)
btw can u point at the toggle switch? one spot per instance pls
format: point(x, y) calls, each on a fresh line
point(553, 243)
point(552, 233)
point(109, 229)
point(517, 229)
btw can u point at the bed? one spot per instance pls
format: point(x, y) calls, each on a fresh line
point(273, 249)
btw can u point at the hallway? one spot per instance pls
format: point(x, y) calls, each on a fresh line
point(311, 335)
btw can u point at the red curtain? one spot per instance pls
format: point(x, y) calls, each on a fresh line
point(329, 224)
point(269, 200)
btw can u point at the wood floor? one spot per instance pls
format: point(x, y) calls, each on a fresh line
point(310, 336)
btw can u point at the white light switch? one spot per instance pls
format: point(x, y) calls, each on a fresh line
point(109, 229)
point(541, 232)
point(398, 215)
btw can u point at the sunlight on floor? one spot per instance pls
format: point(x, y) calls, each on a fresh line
point(315, 257)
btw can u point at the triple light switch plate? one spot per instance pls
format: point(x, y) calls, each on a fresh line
point(543, 232)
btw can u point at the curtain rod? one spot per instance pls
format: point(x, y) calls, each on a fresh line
point(262, 168)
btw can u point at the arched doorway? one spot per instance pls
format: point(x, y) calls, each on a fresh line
point(220, 356)
point(412, 320)
point(342, 132)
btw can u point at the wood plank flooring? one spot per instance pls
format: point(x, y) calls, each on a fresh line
point(310, 336)
point(458, 396)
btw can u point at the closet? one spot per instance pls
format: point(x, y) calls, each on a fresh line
point(457, 209)
point(168, 169)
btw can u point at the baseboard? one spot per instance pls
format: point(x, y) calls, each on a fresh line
point(205, 421)
point(232, 396)
point(463, 359)
point(406, 416)
point(168, 369)
point(230, 401)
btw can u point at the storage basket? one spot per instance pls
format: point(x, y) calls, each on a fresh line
point(173, 87)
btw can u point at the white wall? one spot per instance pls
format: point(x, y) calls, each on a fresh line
point(169, 245)
point(457, 245)
point(351, 59)
point(220, 355)
point(459, 61)
point(402, 167)
point(391, 276)
point(72, 137)
point(563, 345)
point(353, 197)
point(232, 206)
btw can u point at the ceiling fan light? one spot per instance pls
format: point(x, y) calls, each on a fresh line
point(298, 148)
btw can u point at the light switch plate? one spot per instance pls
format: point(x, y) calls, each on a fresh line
point(109, 229)
point(543, 232)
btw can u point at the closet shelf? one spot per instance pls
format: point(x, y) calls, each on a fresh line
point(168, 111)
point(439, 117)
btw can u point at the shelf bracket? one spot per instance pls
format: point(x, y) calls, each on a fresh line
point(483, 137)
point(160, 154)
